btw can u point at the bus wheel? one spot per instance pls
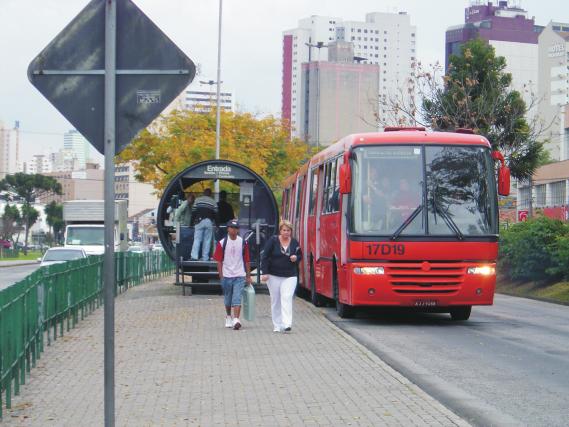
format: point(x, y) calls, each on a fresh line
point(345, 311)
point(460, 313)
point(314, 297)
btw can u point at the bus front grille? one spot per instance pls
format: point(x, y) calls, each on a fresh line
point(426, 278)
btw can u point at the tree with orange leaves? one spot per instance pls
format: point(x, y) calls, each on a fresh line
point(185, 137)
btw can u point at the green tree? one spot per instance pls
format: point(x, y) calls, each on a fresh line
point(186, 137)
point(11, 222)
point(27, 188)
point(474, 94)
point(54, 218)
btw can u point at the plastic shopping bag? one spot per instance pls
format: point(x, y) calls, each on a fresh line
point(248, 302)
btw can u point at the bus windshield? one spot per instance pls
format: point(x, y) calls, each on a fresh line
point(418, 190)
point(85, 236)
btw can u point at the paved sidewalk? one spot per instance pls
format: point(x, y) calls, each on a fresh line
point(176, 365)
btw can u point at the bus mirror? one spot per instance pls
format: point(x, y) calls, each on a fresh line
point(345, 179)
point(503, 174)
point(504, 181)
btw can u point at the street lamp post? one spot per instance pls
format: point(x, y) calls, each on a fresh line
point(218, 113)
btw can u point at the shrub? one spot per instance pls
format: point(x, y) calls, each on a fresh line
point(560, 267)
point(530, 250)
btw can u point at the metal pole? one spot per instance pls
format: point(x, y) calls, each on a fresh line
point(109, 262)
point(218, 112)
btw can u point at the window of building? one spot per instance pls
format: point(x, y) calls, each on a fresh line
point(540, 195)
point(359, 30)
point(365, 31)
point(558, 196)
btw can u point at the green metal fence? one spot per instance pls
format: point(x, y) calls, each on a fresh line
point(9, 252)
point(53, 299)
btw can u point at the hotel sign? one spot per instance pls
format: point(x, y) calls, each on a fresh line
point(555, 50)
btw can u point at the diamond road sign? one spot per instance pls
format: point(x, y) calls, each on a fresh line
point(151, 72)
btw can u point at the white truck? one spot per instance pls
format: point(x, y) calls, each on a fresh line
point(85, 225)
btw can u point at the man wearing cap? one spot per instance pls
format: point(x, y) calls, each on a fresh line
point(232, 256)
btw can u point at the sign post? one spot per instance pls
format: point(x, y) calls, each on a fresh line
point(109, 260)
point(110, 72)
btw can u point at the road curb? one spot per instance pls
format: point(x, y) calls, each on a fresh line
point(4, 264)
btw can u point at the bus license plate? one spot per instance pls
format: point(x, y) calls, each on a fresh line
point(426, 303)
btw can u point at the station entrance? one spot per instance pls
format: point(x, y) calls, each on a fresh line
point(243, 196)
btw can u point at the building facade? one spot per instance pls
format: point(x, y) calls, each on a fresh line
point(553, 88)
point(386, 40)
point(339, 97)
point(549, 192)
point(86, 184)
point(76, 143)
point(512, 34)
point(139, 195)
point(201, 96)
point(9, 150)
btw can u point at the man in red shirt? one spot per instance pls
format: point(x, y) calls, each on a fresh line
point(232, 256)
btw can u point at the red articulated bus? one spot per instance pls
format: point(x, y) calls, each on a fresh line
point(403, 217)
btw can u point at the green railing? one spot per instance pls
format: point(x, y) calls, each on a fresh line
point(9, 253)
point(53, 299)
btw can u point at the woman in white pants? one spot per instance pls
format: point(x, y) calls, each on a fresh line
point(279, 265)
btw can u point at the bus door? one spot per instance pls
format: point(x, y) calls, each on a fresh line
point(297, 215)
point(318, 214)
point(329, 223)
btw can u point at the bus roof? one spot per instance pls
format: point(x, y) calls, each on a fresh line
point(399, 137)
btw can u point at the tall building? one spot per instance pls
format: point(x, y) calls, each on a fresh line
point(339, 97)
point(65, 160)
point(383, 39)
point(512, 34)
point(201, 96)
point(140, 196)
point(40, 163)
point(74, 141)
point(553, 88)
point(9, 149)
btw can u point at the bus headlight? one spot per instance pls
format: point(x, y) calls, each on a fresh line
point(369, 270)
point(484, 270)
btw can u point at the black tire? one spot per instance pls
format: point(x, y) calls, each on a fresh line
point(314, 297)
point(461, 313)
point(345, 311)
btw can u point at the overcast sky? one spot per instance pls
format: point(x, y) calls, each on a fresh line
point(251, 45)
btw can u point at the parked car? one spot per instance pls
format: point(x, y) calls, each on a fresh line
point(135, 249)
point(6, 244)
point(59, 255)
point(157, 247)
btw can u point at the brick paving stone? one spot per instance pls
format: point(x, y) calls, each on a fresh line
point(177, 365)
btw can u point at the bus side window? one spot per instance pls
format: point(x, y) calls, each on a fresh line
point(299, 191)
point(285, 203)
point(326, 189)
point(291, 200)
point(313, 191)
point(335, 188)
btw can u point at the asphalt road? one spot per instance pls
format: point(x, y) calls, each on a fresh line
point(507, 365)
point(11, 275)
